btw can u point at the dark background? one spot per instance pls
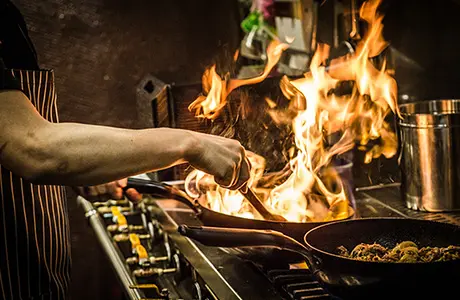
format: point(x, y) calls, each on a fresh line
point(101, 49)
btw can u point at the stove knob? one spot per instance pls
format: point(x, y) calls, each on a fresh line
point(119, 219)
point(110, 203)
point(151, 230)
point(180, 267)
point(124, 237)
point(144, 220)
point(113, 228)
point(155, 230)
point(135, 241)
point(134, 260)
point(106, 211)
point(142, 255)
point(165, 293)
point(176, 261)
point(198, 294)
point(115, 212)
point(147, 272)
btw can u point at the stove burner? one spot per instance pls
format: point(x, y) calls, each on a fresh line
point(295, 284)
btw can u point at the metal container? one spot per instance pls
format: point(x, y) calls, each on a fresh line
point(430, 155)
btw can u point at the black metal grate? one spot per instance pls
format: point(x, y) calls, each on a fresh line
point(296, 284)
point(391, 196)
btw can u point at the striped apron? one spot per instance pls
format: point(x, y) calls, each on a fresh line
point(34, 231)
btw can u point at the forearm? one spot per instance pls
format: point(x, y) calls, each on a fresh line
point(79, 154)
point(88, 154)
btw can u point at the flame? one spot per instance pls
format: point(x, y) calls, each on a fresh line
point(324, 125)
point(236, 55)
point(218, 89)
point(223, 200)
point(322, 113)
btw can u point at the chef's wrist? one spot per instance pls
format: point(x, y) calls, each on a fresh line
point(190, 146)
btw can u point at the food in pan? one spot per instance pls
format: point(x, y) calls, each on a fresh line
point(403, 252)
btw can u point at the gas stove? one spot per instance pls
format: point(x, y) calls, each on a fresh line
point(153, 261)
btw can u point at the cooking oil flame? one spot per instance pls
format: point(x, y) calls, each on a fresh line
point(313, 190)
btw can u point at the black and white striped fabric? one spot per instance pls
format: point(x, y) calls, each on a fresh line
point(34, 231)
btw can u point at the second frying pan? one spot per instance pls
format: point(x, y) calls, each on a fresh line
point(354, 279)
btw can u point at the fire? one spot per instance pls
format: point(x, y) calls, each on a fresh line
point(313, 190)
point(218, 89)
point(223, 200)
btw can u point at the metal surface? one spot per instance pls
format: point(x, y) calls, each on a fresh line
point(390, 197)
point(430, 153)
point(110, 250)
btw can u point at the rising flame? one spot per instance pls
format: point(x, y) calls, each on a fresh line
point(314, 191)
point(223, 200)
point(218, 89)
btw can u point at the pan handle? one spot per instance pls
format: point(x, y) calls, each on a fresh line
point(235, 237)
point(161, 190)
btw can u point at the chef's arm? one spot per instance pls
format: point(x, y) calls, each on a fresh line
point(79, 154)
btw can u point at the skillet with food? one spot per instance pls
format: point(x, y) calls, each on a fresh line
point(350, 277)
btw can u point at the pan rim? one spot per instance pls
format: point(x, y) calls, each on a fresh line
point(364, 262)
point(351, 215)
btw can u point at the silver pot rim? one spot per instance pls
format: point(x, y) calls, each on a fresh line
point(439, 113)
point(431, 107)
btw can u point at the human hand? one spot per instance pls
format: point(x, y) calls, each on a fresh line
point(221, 157)
point(111, 190)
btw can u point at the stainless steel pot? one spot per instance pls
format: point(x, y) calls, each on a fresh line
point(430, 155)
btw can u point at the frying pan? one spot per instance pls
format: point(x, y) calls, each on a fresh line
point(213, 218)
point(354, 279)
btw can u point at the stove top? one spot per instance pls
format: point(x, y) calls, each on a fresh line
point(180, 268)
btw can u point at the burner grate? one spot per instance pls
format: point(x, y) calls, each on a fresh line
point(392, 198)
point(296, 284)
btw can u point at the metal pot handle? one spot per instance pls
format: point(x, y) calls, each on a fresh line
point(161, 190)
point(235, 237)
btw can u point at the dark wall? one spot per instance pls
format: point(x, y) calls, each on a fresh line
point(426, 37)
point(100, 50)
point(428, 33)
